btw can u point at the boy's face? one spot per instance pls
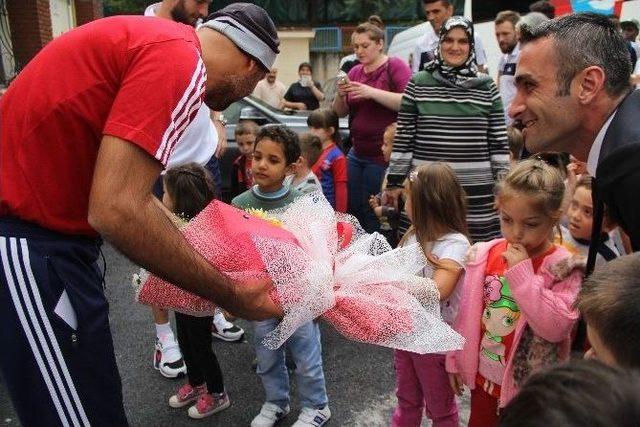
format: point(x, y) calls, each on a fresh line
point(580, 214)
point(387, 148)
point(269, 165)
point(245, 143)
point(598, 349)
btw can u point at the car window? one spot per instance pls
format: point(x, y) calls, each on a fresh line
point(232, 113)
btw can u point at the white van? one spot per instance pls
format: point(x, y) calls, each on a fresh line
point(404, 42)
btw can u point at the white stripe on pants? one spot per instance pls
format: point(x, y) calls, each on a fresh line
point(37, 325)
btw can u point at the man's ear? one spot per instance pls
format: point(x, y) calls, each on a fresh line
point(590, 83)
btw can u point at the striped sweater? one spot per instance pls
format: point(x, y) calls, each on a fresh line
point(464, 128)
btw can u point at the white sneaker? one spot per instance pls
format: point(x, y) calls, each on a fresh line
point(269, 415)
point(311, 417)
point(225, 330)
point(167, 357)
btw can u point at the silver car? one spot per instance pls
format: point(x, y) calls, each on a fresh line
point(251, 108)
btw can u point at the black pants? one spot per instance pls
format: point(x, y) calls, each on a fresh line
point(194, 337)
point(58, 360)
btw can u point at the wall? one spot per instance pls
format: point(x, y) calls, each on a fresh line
point(63, 16)
point(294, 49)
point(88, 10)
point(30, 22)
point(325, 65)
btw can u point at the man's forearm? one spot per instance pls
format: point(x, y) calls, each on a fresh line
point(123, 210)
point(145, 235)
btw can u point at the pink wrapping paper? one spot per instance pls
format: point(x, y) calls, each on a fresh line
point(322, 264)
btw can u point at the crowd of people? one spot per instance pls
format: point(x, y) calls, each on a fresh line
point(518, 192)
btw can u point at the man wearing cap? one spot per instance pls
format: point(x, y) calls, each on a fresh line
point(202, 142)
point(79, 152)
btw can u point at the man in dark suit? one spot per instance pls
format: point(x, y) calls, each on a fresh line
point(574, 95)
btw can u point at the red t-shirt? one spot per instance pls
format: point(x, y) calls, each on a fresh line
point(137, 78)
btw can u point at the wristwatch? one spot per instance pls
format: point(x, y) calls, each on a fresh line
point(222, 119)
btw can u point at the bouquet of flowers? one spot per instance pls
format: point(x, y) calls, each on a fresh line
point(322, 265)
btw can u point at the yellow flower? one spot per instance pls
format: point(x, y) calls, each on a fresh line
point(263, 215)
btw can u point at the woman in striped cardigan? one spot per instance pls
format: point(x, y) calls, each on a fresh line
point(451, 113)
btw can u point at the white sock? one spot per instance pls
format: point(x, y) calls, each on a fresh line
point(219, 317)
point(163, 329)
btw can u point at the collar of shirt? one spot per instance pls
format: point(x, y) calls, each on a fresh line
point(594, 153)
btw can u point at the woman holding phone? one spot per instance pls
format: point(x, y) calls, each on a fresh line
point(370, 94)
point(306, 93)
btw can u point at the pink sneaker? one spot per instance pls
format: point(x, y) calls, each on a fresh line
point(187, 394)
point(209, 404)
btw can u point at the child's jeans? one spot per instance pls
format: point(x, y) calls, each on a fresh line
point(306, 350)
point(423, 384)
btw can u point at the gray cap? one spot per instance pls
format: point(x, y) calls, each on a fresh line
point(250, 28)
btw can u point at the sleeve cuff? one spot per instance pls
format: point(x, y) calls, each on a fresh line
point(522, 272)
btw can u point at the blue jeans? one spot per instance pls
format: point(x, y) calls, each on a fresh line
point(307, 354)
point(365, 180)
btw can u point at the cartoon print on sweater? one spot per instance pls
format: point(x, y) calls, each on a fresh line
point(499, 320)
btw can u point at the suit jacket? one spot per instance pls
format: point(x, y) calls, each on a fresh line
point(617, 183)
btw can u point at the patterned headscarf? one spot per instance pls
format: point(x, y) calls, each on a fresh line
point(465, 75)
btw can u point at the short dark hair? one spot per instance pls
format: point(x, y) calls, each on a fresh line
point(310, 148)
point(284, 136)
point(507, 16)
point(545, 7)
point(610, 303)
point(629, 25)
point(190, 187)
point(445, 3)
point(305, 65)
point(246, 127)
point(582, 40)
point(576, 394)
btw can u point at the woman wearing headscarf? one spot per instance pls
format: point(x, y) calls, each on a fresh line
point(454, 114)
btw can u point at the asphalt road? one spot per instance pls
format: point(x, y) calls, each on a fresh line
point(359, 377)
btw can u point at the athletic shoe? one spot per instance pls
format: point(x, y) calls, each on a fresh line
point(269, 415)
point(209, 404)
point(225, 330)
point(311, 417)
point(167, 357)
point(187, 394)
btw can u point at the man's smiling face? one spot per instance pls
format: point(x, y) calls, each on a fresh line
point(548, 114)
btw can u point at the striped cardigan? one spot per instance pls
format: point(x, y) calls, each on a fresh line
point(464, 128)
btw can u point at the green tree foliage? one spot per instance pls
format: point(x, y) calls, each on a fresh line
point(125, 7)
point(308, 12)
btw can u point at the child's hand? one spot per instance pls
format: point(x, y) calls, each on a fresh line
point(374, 202)
point(514, 254)
point(455, 381)
point(378, 211)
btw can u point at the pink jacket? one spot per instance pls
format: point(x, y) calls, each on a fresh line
point(545, 304)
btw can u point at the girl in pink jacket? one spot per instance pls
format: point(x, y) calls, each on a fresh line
point(515, 315)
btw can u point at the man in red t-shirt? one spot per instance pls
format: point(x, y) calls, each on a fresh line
point(85, 130)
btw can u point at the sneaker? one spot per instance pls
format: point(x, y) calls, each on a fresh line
point(225, 330)
point(167, 357)
point(311, 417)
point(187, 394)
point(269, 415)
point(209, 404)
